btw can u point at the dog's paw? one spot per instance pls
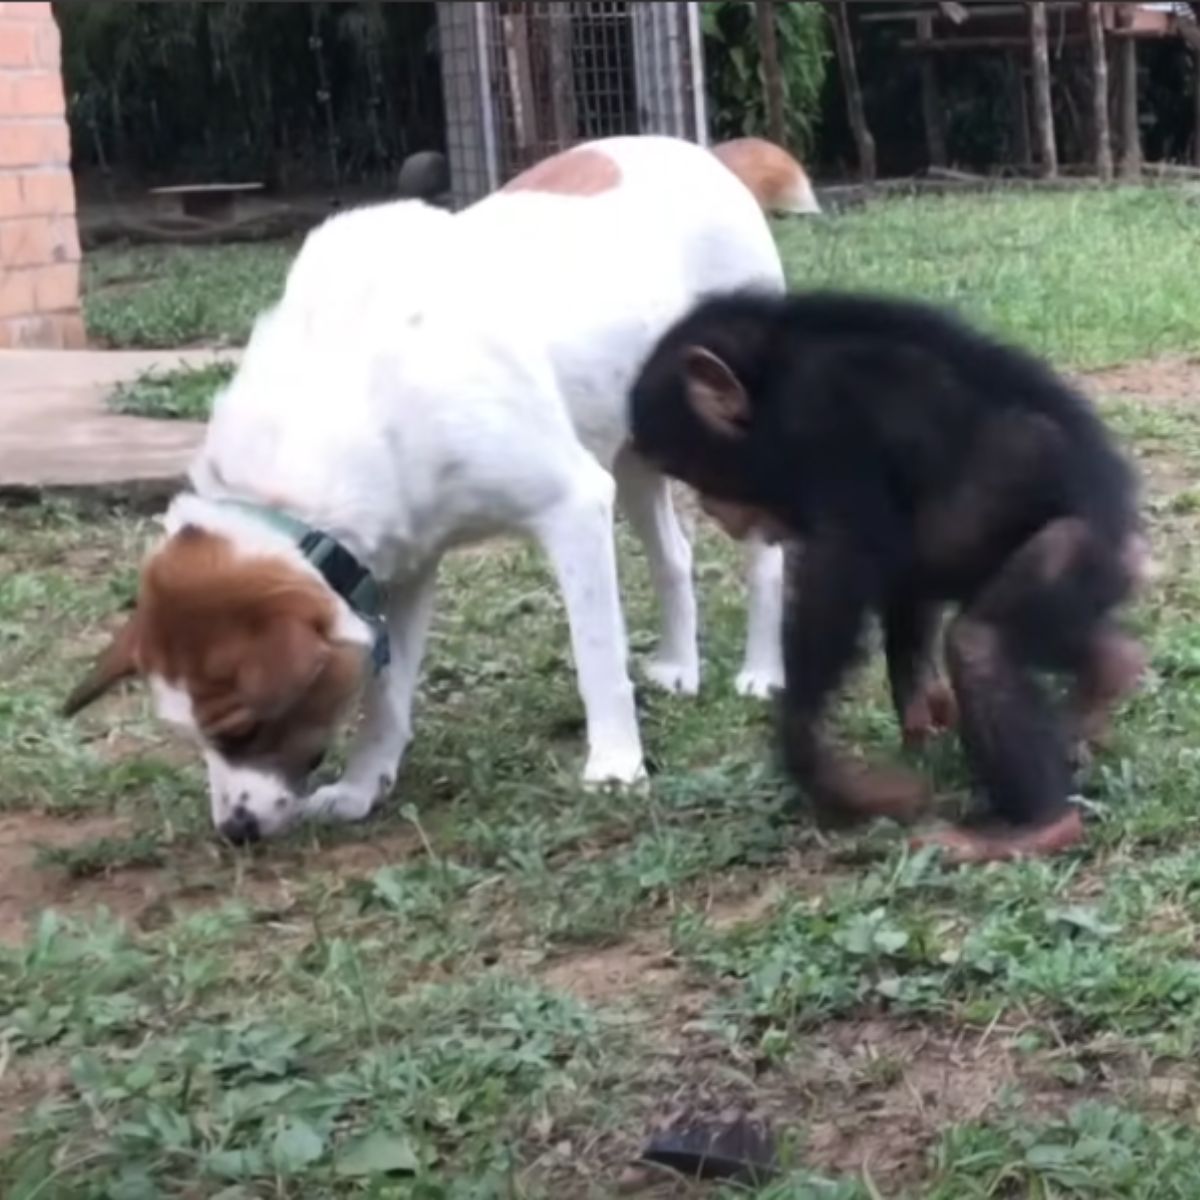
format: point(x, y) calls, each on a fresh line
point(679, 678)
point(606, 768)
point(344, 802)
point(758, 682)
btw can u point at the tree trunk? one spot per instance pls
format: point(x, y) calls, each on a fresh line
point(855, 112)
point(1099, 58)
point(931, 105)
point(772, 76)
point(1043, 113)
point(1131, 137)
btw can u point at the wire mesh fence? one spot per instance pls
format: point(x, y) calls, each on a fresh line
point(524, 80)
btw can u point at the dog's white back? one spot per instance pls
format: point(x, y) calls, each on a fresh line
point(430, 379)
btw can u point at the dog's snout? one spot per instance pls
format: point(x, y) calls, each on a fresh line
point(240, 827)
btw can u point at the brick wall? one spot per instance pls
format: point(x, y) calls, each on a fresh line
point(39, 239)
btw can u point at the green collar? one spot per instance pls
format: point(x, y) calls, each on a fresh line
point(348, 578)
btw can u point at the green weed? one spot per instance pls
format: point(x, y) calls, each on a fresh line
point(185, 393)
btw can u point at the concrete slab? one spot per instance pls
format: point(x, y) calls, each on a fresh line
point(56, 431)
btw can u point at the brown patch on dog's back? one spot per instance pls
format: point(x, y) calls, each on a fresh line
point(583, 171)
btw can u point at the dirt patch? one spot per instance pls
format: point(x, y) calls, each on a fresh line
point(1172, 380)
point(190, 877)
point(871, 1096)
point(637, 968)
point(27, 888)
point(25, 1084)
point(878, 1093)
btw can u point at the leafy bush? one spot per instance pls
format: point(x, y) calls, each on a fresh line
point(733, 68)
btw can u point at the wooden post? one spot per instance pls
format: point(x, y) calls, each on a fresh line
point(562, 76)
point(1019, 95)
point(768, 49)
point(520, 83)
point(855, 112)
point(1131, 137)
point(931, 105)
point(1196, 107)
point(1189, 30)
point(1099, 59)
point(1043, 113)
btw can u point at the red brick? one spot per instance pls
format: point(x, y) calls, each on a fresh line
point(56, 288)
point(25, 242)
point(34, 241)
point(49, 45)
point(58, 331)
point(17, 296)
point(19, 43)
point(26, 10)
point(35, 144)
point(12, 202)
point(47, 193)
point(39, 94)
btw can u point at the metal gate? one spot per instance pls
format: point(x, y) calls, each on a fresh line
point(523, 80)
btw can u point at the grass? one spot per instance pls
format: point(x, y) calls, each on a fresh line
point(501, 983)
point(183, 393)
point(1088, 277)
point(164, 297)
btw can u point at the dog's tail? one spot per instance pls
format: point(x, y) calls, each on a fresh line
point(778, 181)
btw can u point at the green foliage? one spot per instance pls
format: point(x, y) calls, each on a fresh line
point(103, 855)
point(1088, 278)
point(167, 296)
point(185, 393)
point(1096, 1152)
point(282, 92)
point(734, 70)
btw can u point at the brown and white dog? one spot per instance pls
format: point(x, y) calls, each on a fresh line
point(427, 380)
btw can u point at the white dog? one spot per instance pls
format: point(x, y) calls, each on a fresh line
point(429, 380)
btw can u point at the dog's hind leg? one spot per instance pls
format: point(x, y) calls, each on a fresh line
point(645, 497)
point(577, 534)
point(375, 753)
point(762, 668)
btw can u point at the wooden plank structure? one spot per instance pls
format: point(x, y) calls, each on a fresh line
point(1024, 32)
point(207, 201)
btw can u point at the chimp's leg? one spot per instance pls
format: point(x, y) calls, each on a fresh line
point(833, 587)
point(1045, 609)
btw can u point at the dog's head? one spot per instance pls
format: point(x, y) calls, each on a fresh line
point(249, 653)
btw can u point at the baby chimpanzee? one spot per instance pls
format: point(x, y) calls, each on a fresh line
point(917, 462)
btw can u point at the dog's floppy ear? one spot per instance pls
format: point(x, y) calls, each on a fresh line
point(117, 661)
point(284, 663)
point(715, 392)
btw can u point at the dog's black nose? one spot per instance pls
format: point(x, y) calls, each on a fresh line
point(240, 827)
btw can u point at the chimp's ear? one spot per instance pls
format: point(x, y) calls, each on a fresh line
point(715, 393)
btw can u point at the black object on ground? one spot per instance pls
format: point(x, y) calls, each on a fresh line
point(741, 1150)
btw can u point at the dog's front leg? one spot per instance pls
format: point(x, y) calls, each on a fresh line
point(762, 669)
point(577, 534)
point(378, 746)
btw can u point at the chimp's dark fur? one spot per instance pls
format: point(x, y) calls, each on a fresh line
point(919, 462)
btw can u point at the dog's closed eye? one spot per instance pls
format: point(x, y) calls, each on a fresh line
point(238, 744)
